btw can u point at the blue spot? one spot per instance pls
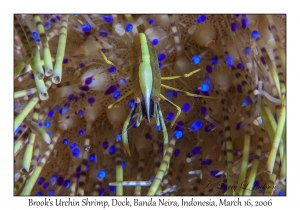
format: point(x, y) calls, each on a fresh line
point(76, 153)
point(131, 103)
point(158, 128)
point(39, 194)
point(47, 25)
point(204, 87)
point(91, 100)
point(85, 88)
point(40, 125)
point(72, 146)
point(155, 42)
point(19, 128)
point(237, 15)
point(65, 141)
point(37, 41)
point(196, 59)
point(78, 169)
point(247, 50)
point(53, 179)
point(196, 150)
point(107, 19)
point(56, 108)
point(101, 192)
point(213, 174)
point(207, 162)
point(203, 111)
point(51, 114)
point(86, 28)
point(105, 145)
point(201, 19)
point(196, 126)
point(246, 101)
point(185, 108)
point(209, 69)
point(75, 15)
point(178, 134)
point(280, 193)
point(51, 193)
point(113, 190)
point(67, 184)
point(15, 106)
point(151, 21)
point(229, 61)
point(170, 116)
point(179, 126)
point(81, 132)
point(81, 113)
point(103, 33)
point(122, 82)
point(238, 126)
point(169, 94)
point(152, 178)
point(112, 70)
point(34, 35)
point(160, 65)
point(256, 184)
point(175, 94)
point(102, 174)
point(49, 134)
point(111, 90)
point(60, 181)
point(88, 80)
point(129, 27)
point(118, 138)
point(112, 150)
point(240, 66)
point(65, 60)
point(40, 181)
point(224, 187)
point(46, 186)
point(207, 80)
point(47, 124)
point(92, 157)
point(214, 61)
point(233, 27)
point(244, 22)
point(176, 152)
point(255, 35)
point(123, 165)
point(161, 57)
point(117, 95)
point(78, 176)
